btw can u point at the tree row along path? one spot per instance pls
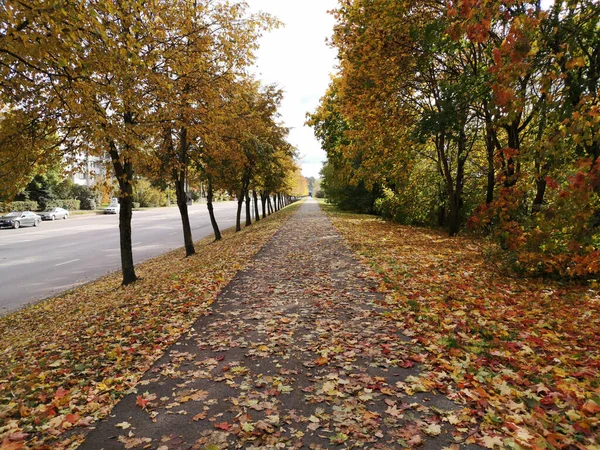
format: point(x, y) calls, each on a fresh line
point(297, 352)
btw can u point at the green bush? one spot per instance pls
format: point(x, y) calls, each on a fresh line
point(136, 205)
point(196, 195)
point(388, 205)
point(71, 204)
point(25, 205)
point(147, 196)
point(64, 189)
point(89, 199)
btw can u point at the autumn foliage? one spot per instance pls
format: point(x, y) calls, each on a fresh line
point(484, 113)
point(156, 89)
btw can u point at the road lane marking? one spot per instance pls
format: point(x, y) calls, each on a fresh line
point(66, 262)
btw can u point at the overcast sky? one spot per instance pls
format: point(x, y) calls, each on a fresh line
point(297, 58)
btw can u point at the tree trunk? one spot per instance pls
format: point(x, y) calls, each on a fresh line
point(263, 199)
point(441, 215)
point(490, 146)
point(238, 219)
point(541, 168)
point(248, 208)
point(125, 213)
point(183, 211)
point(540, 191)
point(124, 173)
point(211, 212)
point(453, 216)
point(453, 183)
point(511, 166)
point(179, 178)
point(456, 201)
point(256, 214)
point(270, 207)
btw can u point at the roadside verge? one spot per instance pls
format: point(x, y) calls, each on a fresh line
point(65, 361)
point(521, 354)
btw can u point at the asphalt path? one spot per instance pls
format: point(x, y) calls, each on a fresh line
point(37, 263)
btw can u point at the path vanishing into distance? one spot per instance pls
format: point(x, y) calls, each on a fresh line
point(295, 353)
point(40, 262)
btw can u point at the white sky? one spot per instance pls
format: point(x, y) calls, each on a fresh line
point(297, 58)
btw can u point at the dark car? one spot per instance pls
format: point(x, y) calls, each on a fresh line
point(54, 213)
point(17, 219)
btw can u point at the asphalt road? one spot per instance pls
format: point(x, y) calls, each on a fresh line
point(36, 263)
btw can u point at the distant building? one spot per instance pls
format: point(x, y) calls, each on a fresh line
point(88, 169)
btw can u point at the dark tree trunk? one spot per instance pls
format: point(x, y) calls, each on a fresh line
point(241, 197)
point(541, 168)
point(255, 197)
point(441, 215)
point(248, 209)
point(271, 211)
point(490, 147)
point(453, 183)
point(238, 219)
point(183, 211)
point(124, 173)
point(511, 166)
point(456, 200)
point(275, 205)
point(540, 191)
point(211, 212)
point(179, 178)
point(263, 199)
point(453, 215)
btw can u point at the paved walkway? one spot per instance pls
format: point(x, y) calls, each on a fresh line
point(295, 354)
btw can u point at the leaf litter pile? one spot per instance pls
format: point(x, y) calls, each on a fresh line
point(296, 353)
point(65, 361)
point(523, 355)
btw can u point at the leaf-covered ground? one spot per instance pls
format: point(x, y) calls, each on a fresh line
point(296, 353)
point(524, 355)
point(306, 348)
point(65, 361)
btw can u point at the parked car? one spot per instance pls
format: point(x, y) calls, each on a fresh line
point(16, 219)
point(114, 207)
point(54, 213)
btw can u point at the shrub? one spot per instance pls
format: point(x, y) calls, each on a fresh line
point(136, 205)
point(25, 205)
point(64, 189)
point(89, 199)
point(389, 205)
point(72, 204)
point(196, 195)
point(148, 196)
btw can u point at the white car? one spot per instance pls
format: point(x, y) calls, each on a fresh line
point(114, 207)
